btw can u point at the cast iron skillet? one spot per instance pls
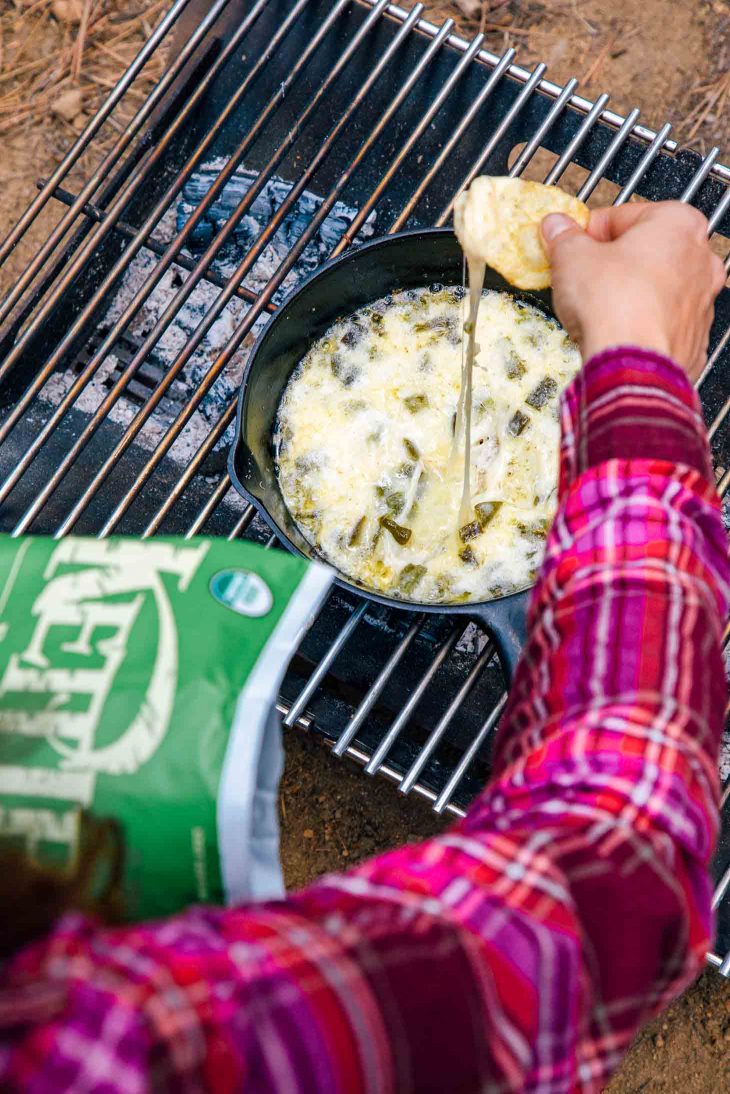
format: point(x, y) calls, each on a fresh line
point(381, 266)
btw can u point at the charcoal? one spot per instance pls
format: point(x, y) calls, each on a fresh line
point(260, 212)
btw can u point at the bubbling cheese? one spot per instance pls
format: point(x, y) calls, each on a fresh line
point(365, 436)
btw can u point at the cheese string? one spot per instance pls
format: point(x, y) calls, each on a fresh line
point(462, 427)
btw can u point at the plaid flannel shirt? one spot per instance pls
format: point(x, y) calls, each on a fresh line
point(521, 949)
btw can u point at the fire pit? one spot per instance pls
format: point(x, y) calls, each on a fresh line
point(280, 134)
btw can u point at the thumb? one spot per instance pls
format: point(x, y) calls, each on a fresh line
point(558, 230)
point(565, 241)
point(567, 248)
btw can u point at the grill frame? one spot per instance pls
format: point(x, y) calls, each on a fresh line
point(98, 216)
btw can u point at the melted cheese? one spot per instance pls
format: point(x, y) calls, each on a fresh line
point(365, 441)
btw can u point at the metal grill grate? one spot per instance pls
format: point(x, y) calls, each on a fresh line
point(122, 339)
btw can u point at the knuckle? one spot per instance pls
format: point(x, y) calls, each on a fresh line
point(692, 217)
point(684, 217)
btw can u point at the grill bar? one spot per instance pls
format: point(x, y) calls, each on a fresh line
point(723, 484)
point(717, 422)
point(324, 666)
point(715, 356)
point(460, 770)
point(111, 338)
point(539, 135)
point(547, 87)
point(149, 160)
point(379, 176)
point(353, 752)
point(701, 174)
point(558, 169)
point(215, 435)
point(210, 506)
point(378, 686)
point(111, 159)
point(608, 156)
point(376, 760)
point(644, 164)
point(146, 159)
point(719, 212)
point(454, 139)
point(453, 708)
point(92, 128)
point(223, 299)
point(414, 135)
point(495, 138)
point(242, 523)
point(721, 888)
point(93, 212)
point(356, 754)
point(188, 287)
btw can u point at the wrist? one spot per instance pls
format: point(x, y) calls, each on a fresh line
point(629, 402)
point(641, 336)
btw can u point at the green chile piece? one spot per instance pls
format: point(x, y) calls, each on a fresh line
point(536, 529)
point(543, 393)
point(470, 531)
point(514, 366)
point(438, 323)
point(410, 576)
point(399, 533)
point(518, 423)
point(444, 585)
point(487, 511)
point(414, 403)
point(395, 502)
point(344, 369)
point(356, 533)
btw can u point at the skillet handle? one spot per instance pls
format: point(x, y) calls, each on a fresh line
point(506, 621)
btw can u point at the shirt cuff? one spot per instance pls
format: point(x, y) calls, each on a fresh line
point(631, 403)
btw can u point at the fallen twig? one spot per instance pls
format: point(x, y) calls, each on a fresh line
point(715, 95)
point(594, 68)
point(78, 53)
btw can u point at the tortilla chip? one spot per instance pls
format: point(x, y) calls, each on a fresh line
point(497, 220)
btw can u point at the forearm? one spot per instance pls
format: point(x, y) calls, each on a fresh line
point(615, 716)
point(633, 589)
point(522, 948)
point(581, 873)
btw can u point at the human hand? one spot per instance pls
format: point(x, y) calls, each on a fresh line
point(641, 275)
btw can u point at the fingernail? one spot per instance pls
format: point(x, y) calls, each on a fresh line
point(555, 224)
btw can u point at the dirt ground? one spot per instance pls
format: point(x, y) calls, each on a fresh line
point(672, 60)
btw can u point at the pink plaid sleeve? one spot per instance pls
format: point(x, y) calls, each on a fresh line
point(520, 950)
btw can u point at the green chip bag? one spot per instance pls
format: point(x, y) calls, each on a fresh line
point(138, 681)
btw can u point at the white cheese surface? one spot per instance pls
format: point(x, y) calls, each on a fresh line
point(365, 447)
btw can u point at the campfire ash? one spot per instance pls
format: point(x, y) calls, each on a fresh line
point(187, 319)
